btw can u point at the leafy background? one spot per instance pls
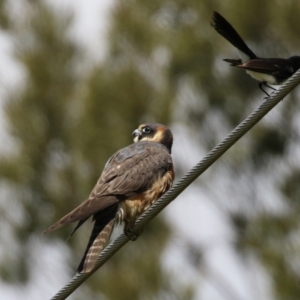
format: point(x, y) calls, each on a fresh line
point(70, 97)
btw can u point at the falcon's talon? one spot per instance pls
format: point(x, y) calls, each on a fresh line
point(133, 235)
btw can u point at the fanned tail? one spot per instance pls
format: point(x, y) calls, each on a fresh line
point(104, 222)
point(224, 28)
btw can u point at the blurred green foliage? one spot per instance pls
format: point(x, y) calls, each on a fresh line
point(69, 117)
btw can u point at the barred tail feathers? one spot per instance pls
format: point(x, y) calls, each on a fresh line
point(104, 223)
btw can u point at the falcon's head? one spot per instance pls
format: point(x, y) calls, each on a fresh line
point(154, 132)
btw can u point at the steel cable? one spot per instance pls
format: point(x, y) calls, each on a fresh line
point(185, 181)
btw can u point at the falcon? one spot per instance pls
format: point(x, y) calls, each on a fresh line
point(274, 71)
point(132, 180)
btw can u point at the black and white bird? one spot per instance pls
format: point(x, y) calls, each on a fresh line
point(268, 71)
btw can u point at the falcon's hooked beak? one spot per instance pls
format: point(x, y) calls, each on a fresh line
point(136, 133)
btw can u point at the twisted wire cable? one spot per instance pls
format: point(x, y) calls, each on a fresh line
point(185, 181)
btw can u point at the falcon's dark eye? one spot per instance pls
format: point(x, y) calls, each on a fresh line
point(146, 129)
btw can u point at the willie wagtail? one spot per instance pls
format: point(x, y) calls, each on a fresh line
point(272, 71)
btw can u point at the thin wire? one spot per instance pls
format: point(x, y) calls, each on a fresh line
point(185, 181)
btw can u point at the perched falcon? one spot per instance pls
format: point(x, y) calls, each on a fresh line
point(132, 180)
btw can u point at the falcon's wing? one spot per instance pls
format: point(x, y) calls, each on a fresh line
point(127, 173)
point(133, 169)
